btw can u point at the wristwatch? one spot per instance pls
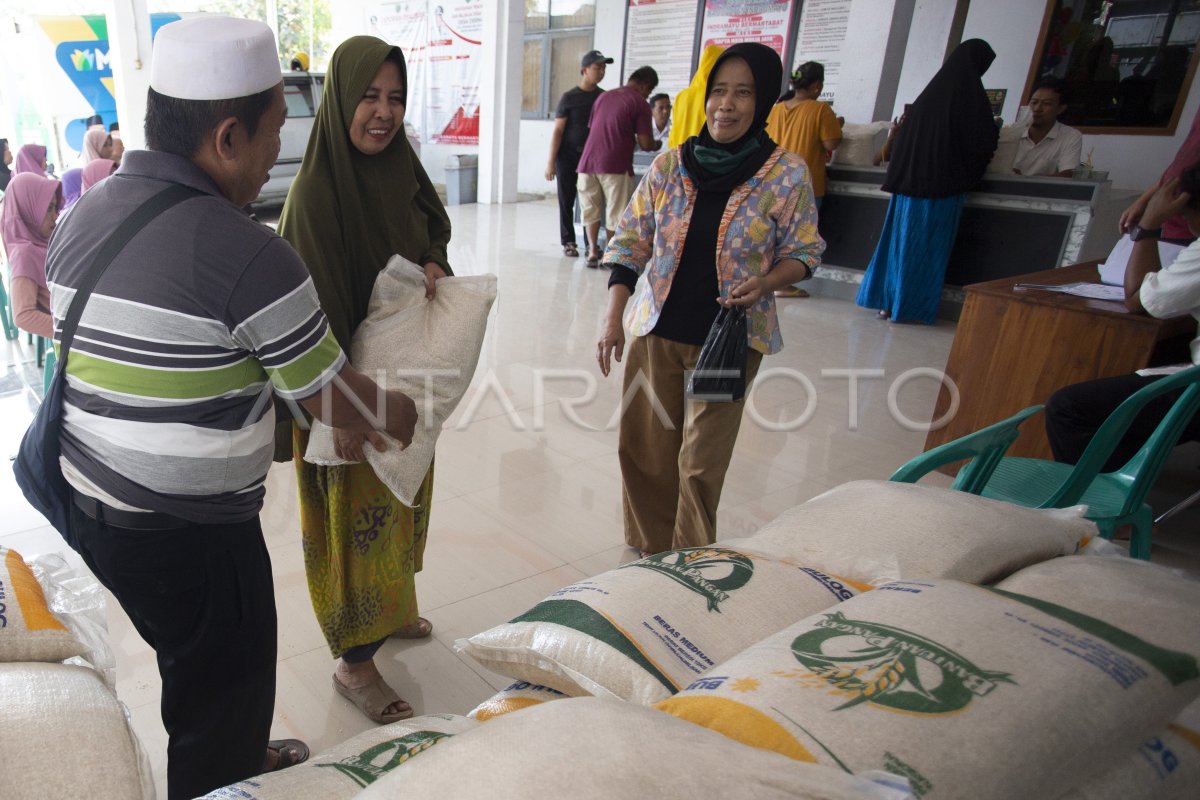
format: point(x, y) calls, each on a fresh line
point(1138, 233)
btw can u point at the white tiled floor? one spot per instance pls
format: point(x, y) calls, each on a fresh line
point(527, 498)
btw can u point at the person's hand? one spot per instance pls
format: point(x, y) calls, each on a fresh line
point(349, 444)
point(1132, 215)
point(1167, 202)
point(433, 271)
point(746, 293)
point(611, 345)
point(551, 171)
point(400, 418)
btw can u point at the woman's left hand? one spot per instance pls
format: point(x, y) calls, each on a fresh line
point(433, 271)
point(746, 293)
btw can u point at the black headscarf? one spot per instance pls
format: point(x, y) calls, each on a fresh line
point(948, 134)
point(719, 167)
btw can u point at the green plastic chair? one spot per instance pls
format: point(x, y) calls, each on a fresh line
point(1113, 498)
point(985, 447)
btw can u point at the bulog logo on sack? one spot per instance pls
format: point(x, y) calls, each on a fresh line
point(892, 668)
point(711, 572)
point(373, 763)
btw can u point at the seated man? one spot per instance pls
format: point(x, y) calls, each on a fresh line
point(1075, 413)
point(1048, 147)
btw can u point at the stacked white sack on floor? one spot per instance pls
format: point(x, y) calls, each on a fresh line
point(343, 771)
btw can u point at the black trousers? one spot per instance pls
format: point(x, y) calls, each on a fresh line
point(565, 165)
point(1074, 414)
point(202, 597)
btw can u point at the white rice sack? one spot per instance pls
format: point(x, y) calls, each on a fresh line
point(1150, 601)
point(344, 770)
point(29, 630)
point(514, 697)
point(63, 734)
point(645, 630)
point(1164, 767)
point(860, 143)
point(966, 691)
point(594, 749)
point(877, 531)
point(1006, 150)
point(428, 350)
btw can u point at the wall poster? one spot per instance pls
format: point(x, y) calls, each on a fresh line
point(822, 37)
point(661, 33)
point(443, 50)
point(727, 22)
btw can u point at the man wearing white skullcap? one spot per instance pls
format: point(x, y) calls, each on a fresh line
point(167, 415)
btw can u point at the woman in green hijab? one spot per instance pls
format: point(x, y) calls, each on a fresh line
point(360, 197)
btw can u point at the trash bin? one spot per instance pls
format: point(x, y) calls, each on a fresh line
point(462, 179)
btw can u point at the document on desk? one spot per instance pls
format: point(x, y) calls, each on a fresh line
point(1112, 271)
point(1095, 291)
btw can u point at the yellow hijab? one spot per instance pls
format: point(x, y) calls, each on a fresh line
point(687, 117)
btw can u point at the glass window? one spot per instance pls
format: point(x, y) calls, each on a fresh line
point(1126, 64)
point(557, 34)
point(298, 95)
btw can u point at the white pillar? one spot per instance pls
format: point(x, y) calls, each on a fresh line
point(129, 54)
point(500, 100)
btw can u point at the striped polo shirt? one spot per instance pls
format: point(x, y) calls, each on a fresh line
point(167, 405)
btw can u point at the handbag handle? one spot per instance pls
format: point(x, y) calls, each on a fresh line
point(114, 244)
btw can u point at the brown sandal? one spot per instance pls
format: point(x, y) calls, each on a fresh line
point(571, 250)
point(421, 629)
point(373, 700)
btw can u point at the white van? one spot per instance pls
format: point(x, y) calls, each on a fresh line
point(302, 94)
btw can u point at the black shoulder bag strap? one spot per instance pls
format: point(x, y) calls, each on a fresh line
point(114, 244)
point(36, 466)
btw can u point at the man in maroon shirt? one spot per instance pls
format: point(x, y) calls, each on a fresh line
point(620, 118)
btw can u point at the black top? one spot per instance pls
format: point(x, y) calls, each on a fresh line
point(576, 106)
point(691, 304)
point(948, 135)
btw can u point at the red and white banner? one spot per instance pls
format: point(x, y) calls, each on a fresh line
point(728, 22)
point(442, 44)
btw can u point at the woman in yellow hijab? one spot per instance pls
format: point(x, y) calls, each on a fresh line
point(688, 115)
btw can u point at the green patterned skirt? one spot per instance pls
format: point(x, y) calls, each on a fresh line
point(362, 549)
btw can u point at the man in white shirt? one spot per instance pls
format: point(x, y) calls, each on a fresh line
point(1048, 147)
point(1075, 413)
point(660, 113)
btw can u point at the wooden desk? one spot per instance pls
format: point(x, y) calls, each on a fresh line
point(1015, 347)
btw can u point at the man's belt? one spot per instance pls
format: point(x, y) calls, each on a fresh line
point(131, 520)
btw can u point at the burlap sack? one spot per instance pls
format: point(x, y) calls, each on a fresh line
point(428, 350)
point(643, 631)
point(63, 734)
point(1164, 767)
point(344, 770)
point(593, 749)
point(966, 691)
point(29, 631)
point(877, 531)
point(515, 697)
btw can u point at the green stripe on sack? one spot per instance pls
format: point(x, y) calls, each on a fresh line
point(586, 620)
point(1175, 666)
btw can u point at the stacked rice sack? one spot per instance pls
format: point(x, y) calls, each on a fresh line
point(644, 631)
point(513, 697)
point(595, 749)
point(1017, 691)
point(344, 771)
point(62, 731)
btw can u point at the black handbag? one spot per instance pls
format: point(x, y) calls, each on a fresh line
point(720, 374)
point(37, 468)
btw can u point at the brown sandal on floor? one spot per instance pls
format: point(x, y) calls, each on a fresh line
point(373, 700)
point(571, 250)
point(288, 753)
point(421, 629)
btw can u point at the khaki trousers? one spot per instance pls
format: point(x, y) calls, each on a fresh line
point(672, 473)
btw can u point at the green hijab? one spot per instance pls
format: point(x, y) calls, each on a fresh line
point(347, 213)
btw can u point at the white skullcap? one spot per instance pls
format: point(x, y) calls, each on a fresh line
point(214, 58)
